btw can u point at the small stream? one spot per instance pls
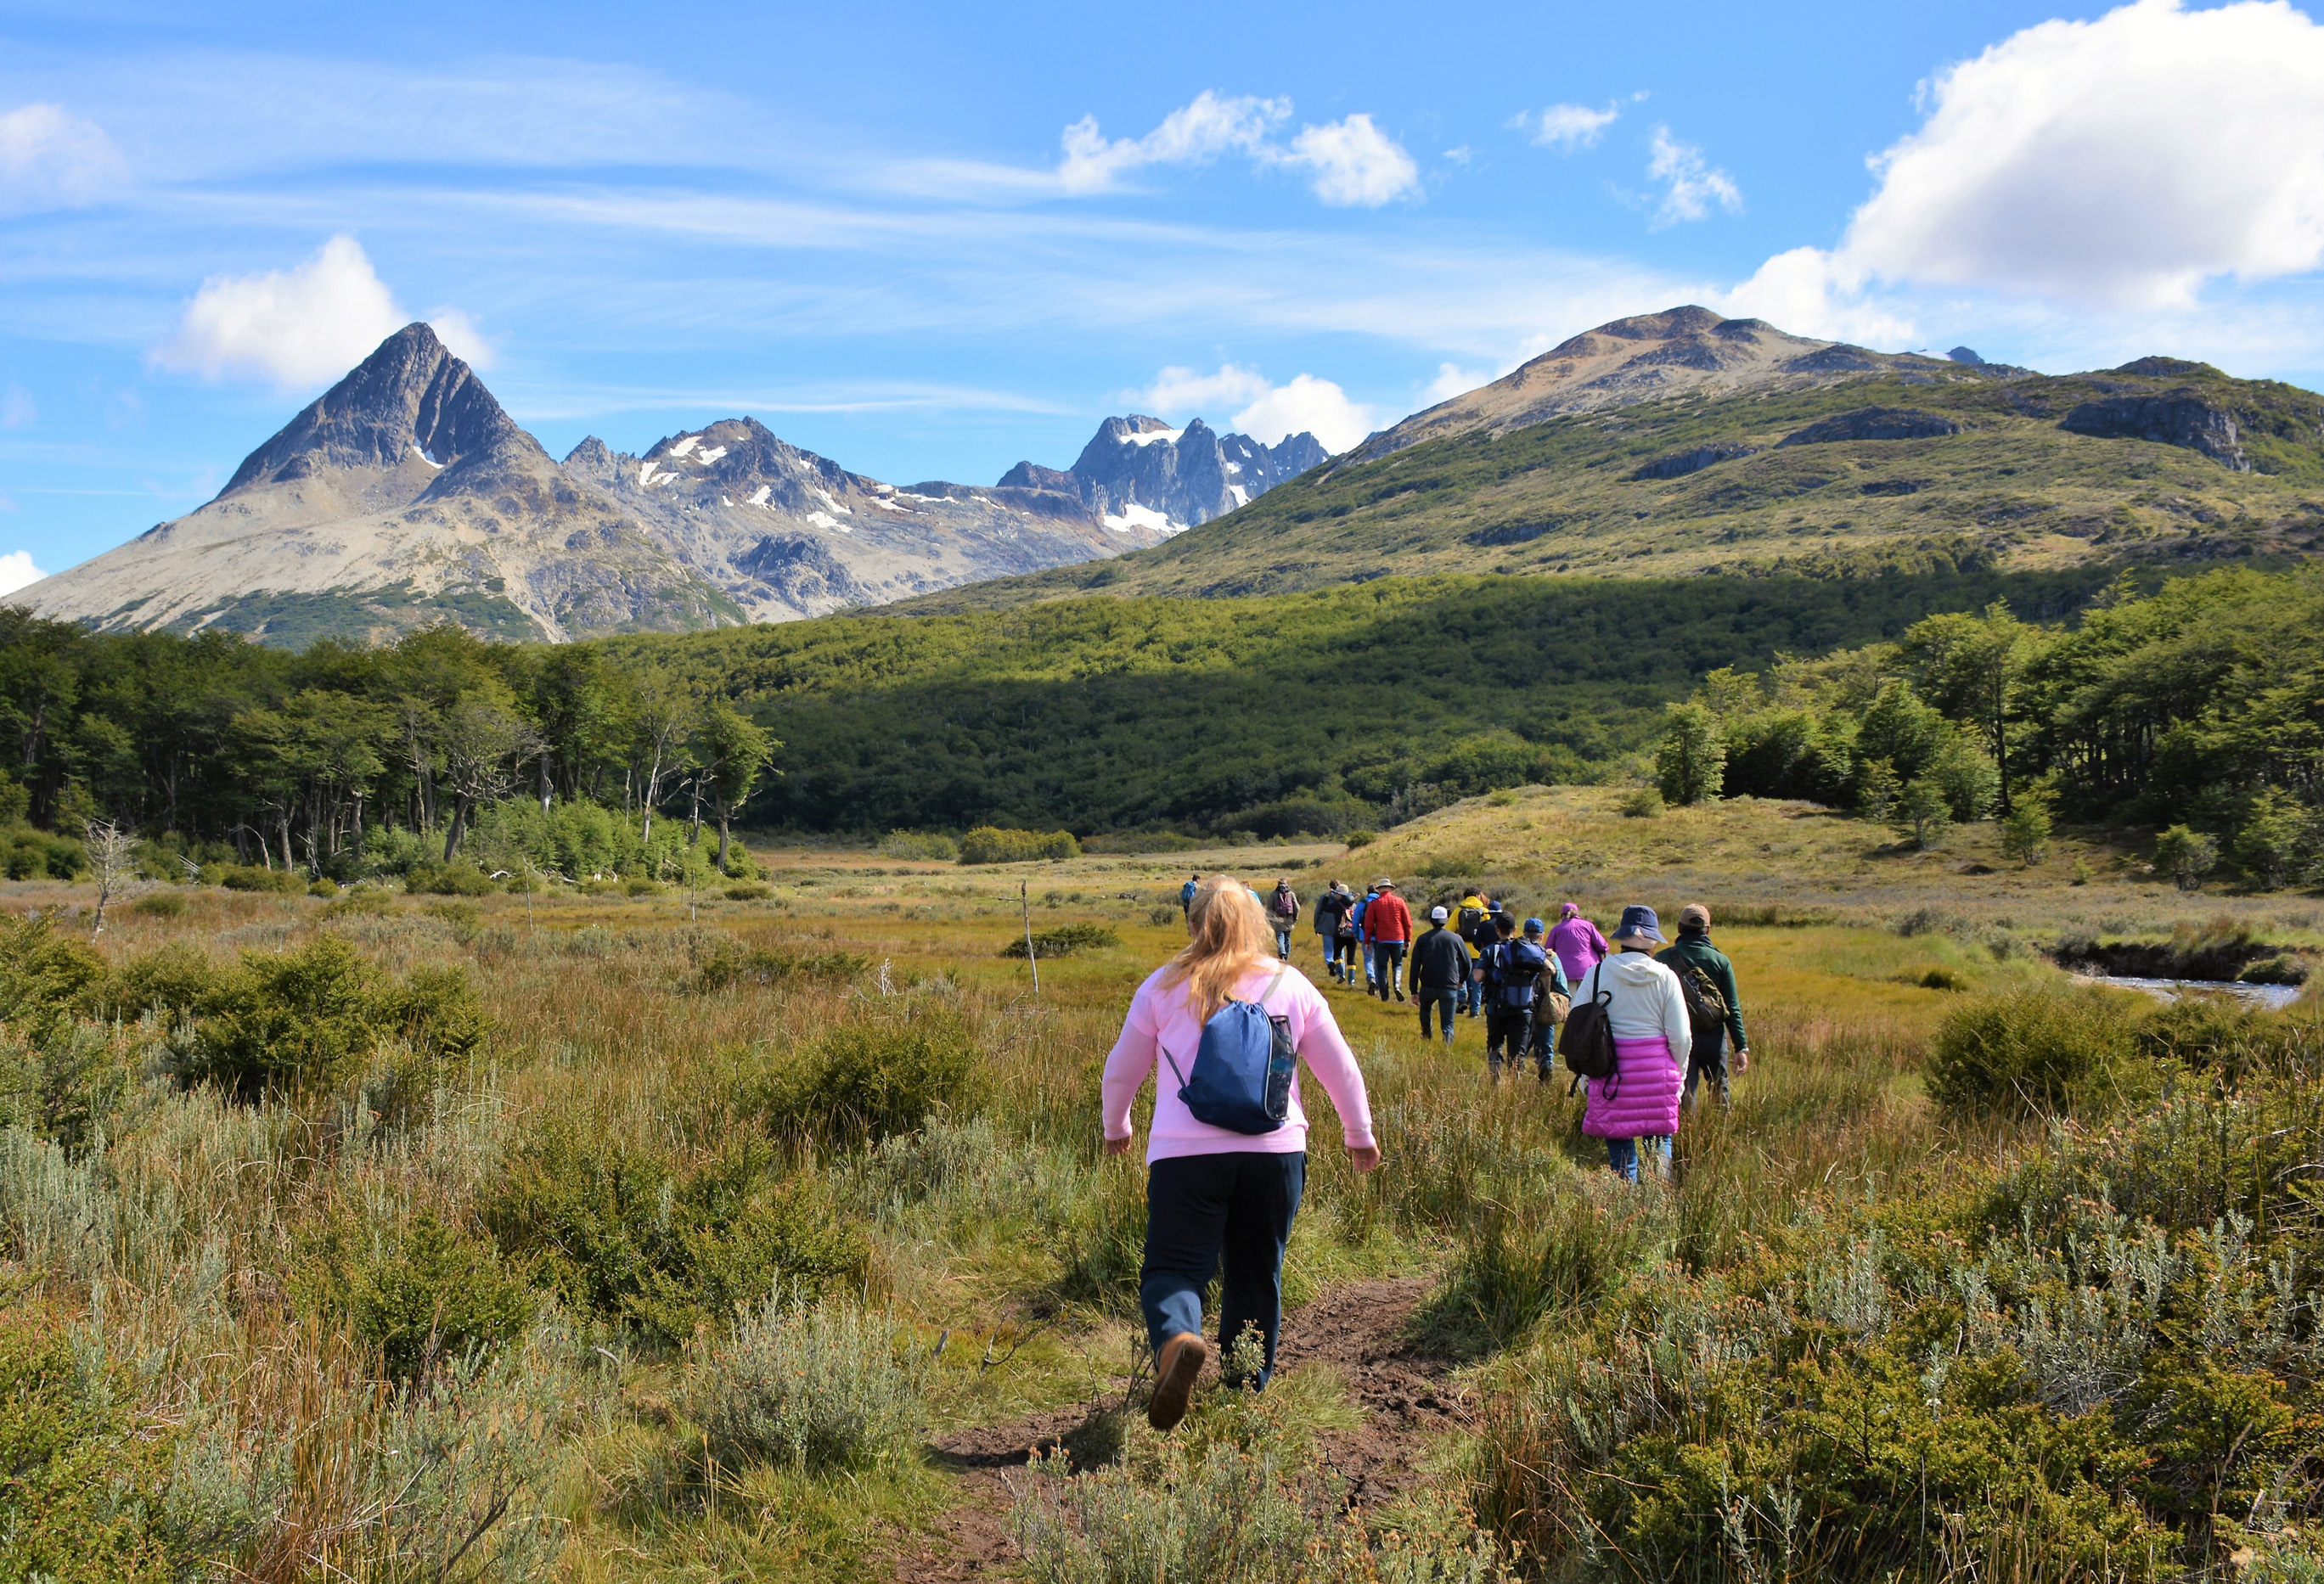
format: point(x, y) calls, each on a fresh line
point(2267, 996)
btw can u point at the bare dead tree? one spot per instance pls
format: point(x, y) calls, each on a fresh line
point(111, 854)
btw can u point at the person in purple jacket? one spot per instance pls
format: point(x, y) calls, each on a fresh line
point(1576, 942)
point(1652, 1041)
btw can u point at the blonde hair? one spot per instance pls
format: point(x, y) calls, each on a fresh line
point(1230, 938)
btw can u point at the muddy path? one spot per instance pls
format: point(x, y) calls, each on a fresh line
point(1356, 1329)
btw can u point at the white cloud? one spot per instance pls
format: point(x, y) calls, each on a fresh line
point(1267, 412)
point(462, 337)
point(1349, 161)
point(16, 571)
point(1451, 380)
point(49, 159)
point(1689, 186)
point(1177, 390)
point(303, 326)
point(1193, 134)
point(16, 408)
point(1354, 162)
point(2121, 162)
point(1809, 292)
point(1567, 127)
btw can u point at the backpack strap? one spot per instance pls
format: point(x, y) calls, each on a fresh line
point(1267, 994)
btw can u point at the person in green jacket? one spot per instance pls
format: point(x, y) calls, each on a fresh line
point(1692, 949)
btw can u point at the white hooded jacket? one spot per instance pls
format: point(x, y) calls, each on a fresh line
point(1642, 1000)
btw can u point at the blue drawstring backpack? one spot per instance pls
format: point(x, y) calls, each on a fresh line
point(1241, 1078)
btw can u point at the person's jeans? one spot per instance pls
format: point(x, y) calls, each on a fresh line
point(1541, 1044)
point(1440, 999)
point(1283, 943)
point(1198, 1207)
point(1707, 1060)
point(1388, 965)
point(1622, 1154)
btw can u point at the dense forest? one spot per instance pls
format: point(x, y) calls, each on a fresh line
point(1321, 712)
point(2199, 707)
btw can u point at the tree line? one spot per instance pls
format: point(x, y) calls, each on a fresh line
point(299, 760)
point(2194, 708)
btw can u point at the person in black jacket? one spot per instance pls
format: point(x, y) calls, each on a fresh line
point(1509, 971)
point(1331, 913)
point(1440, 963)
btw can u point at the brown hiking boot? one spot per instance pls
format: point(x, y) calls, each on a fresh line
point(1174, 1369)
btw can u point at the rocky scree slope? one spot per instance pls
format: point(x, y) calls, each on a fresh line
point(1907, 466)
point(405, 495)
point(1138, 472)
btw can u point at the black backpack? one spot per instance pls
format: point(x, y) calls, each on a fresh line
point(1467, 924)
point(1587, 1040)
point(1706, 1009)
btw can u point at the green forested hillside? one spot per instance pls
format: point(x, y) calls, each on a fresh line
point(2043, 472)
point(1314, 711)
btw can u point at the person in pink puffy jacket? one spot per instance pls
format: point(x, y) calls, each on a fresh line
point(1577, 943)
point(1652, 1040)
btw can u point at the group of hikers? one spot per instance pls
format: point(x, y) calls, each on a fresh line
point(1644, 1021)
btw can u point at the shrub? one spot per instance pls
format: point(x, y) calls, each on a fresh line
point(2186, 856)
point(623, 1233)
point(1570, 1252)
point(820, 1388)
point(298, 1019)
point(457, 878)
point(1645, 803)
point(748, 891)
point(639, 885)
point(1922, 814)
point(727, 963)
point(27, 854)
point(322, 885)
point(995, 844)
point(927, 846)
point(45, 979)
point(431, 1295)
point(1065, 939)
point(865, 1082)
point(2031, 1053)
point(251, 877)
point(159, 905)
point(2025, 832)
point(171, 980)
point(1362, 838)
point(85, 1496)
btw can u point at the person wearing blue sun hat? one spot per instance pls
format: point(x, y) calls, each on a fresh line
point(1645, 1011)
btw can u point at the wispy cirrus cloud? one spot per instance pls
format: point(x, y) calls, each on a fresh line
point(1691, 186)
point(51, 159)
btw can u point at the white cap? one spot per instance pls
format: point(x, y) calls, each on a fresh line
point(1438, 916)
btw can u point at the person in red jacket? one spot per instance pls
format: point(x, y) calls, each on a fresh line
point(1388, 922)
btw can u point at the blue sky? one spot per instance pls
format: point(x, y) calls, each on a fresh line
point(928, 240)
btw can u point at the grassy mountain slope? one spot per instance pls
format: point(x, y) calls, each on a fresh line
point(2012, 489)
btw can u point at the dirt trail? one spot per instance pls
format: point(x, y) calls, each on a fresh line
point(1354, 1327)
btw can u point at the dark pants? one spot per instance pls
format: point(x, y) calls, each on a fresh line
point(1441, 1000)
point(1707, 1060)
point(1506, 1028)
point(1201, 1206)
point(1388, 967)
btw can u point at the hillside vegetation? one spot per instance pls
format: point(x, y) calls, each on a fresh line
point(2042, 472)
point(1313, 711)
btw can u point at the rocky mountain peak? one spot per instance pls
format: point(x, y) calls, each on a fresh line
point(410, 400)
point(1138, 472)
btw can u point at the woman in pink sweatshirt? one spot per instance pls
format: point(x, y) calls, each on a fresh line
point(1208, 1190)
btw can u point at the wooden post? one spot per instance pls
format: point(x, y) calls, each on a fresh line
point(1025, 906)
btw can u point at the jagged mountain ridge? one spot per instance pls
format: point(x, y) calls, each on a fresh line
point(1139, 471)
point(406, 494)
point(787, 533)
